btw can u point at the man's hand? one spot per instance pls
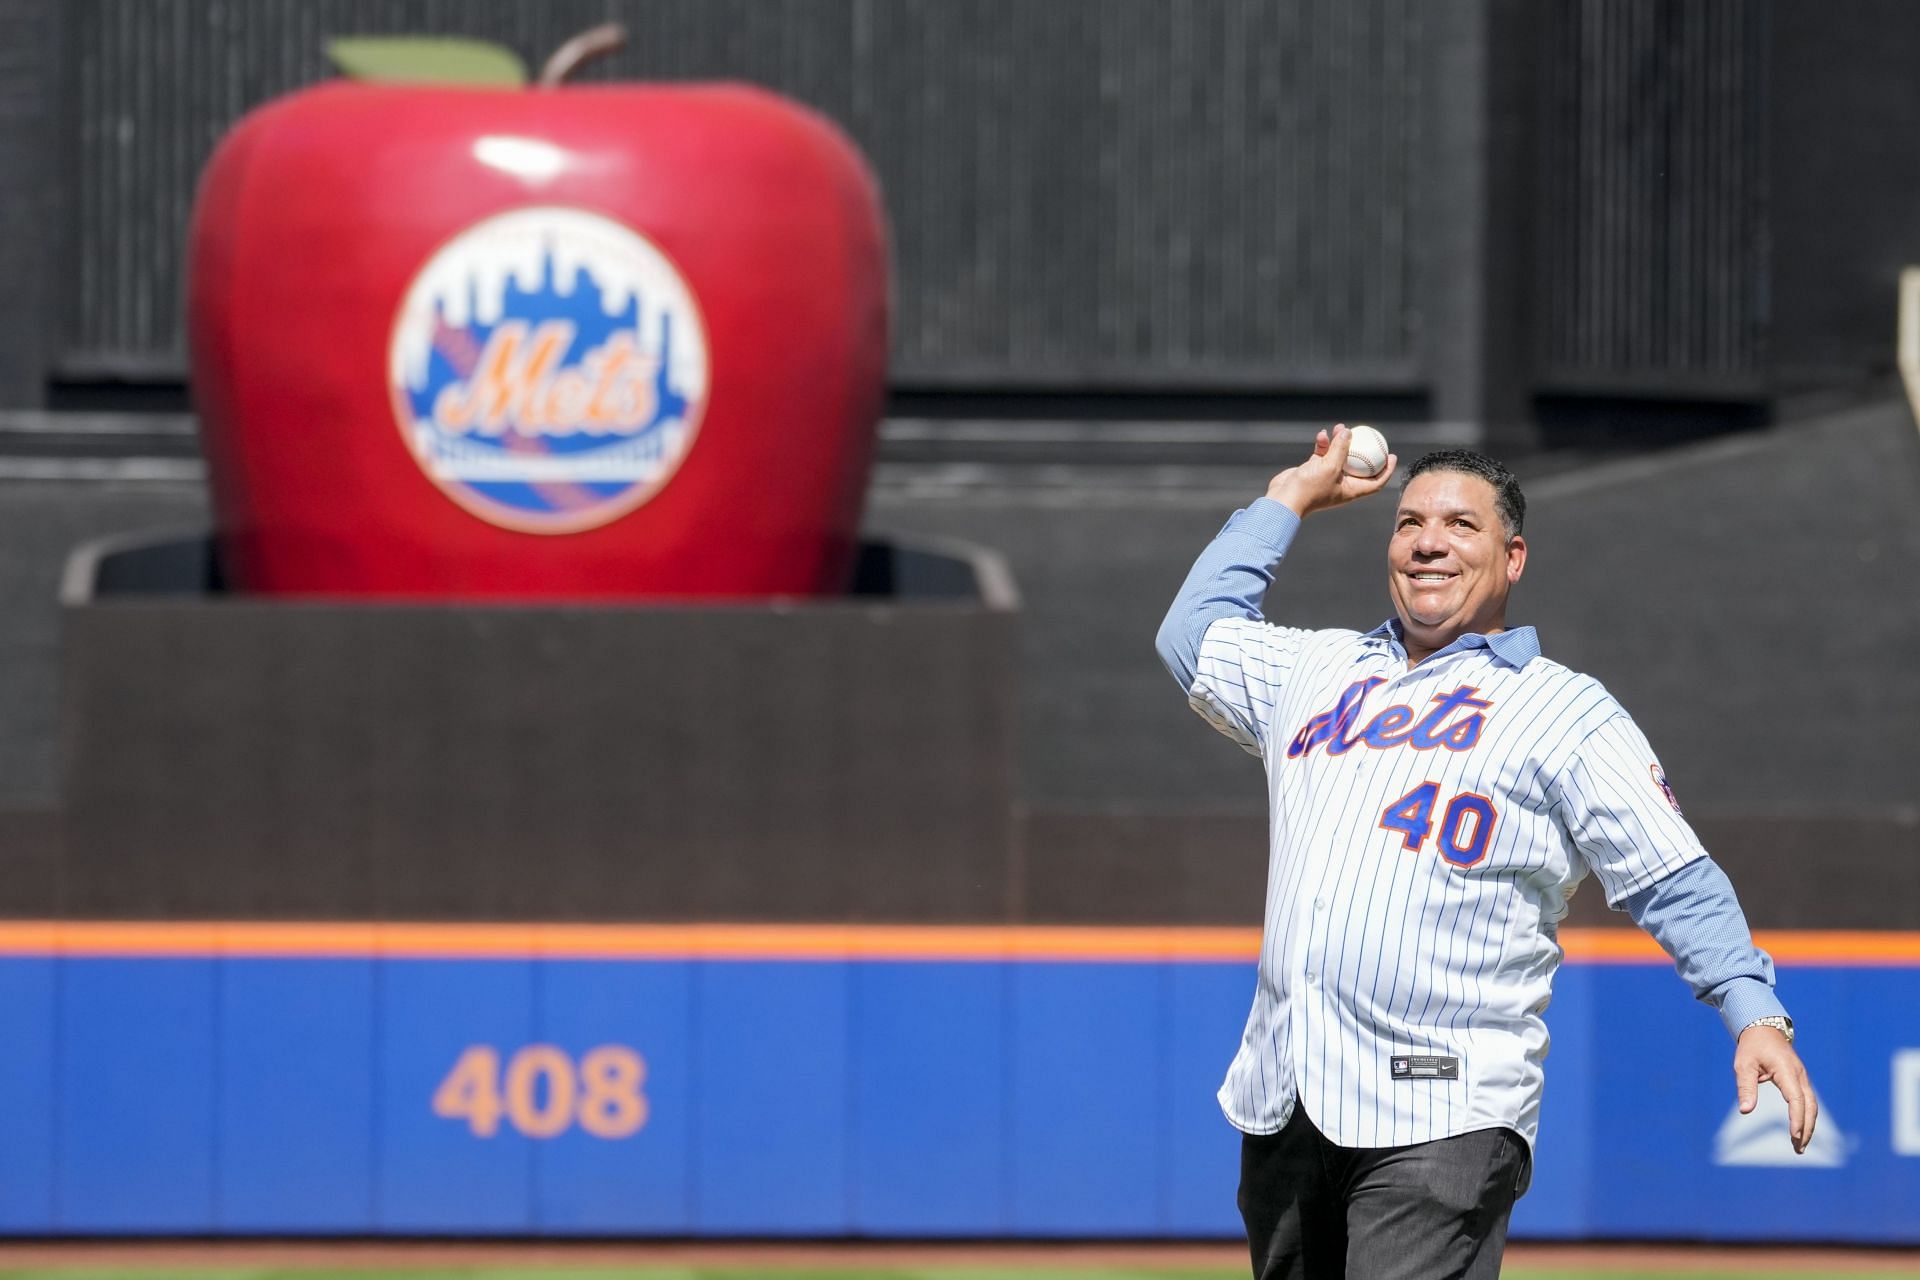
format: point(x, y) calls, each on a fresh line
point(1322, 480)
point(1764, 1054)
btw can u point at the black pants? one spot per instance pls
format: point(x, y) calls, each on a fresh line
point(1431, 1211)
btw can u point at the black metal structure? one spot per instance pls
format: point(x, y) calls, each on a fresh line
point(1539, 221)
point(1461, 209)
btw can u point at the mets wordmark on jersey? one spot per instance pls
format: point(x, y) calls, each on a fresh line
point(1427, 827)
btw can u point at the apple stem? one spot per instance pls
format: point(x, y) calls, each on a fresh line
point(593, 43)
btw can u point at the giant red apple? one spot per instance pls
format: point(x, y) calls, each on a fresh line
point(625, 340)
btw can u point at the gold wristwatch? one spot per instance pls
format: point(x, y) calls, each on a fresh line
point(1781, 1024)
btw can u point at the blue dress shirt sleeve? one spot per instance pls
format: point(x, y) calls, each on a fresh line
point(1227, 581)
point(1695, 917)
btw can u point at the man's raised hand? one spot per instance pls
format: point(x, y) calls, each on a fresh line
point(1322, 480)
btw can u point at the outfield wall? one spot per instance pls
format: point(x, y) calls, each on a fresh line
point(803, 1080)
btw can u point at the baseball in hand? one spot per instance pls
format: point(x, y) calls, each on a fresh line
point(1366, 452)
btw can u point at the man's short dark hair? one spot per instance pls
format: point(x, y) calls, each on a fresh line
point(1507, 498)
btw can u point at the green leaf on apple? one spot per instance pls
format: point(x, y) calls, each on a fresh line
point(427, 60)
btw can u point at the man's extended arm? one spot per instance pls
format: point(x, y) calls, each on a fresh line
point(1695, 917)
point(1622, 816)
point(1233, 573)
point(1232, 680)
point(1227, 581)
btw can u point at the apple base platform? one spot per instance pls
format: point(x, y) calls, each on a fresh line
point(229, 756)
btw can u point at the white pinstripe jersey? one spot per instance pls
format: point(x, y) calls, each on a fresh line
point(1427, 828)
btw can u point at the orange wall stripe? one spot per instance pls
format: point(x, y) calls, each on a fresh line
point(1808, 948)
point(1098, 944)
point(322, 939)
point(1841, 947)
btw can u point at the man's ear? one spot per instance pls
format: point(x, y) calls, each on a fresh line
point(1516, 558)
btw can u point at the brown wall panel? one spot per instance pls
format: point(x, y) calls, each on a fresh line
point(228, 757)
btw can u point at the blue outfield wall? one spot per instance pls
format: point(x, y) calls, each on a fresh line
point(846, 1096)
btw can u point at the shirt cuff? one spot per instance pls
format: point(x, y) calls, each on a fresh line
point(1272, 523)
point(1742, 1000)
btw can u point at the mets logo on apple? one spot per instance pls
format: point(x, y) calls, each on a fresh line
point(548, 368)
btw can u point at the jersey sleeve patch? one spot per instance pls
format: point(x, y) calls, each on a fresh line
point(1659, 776)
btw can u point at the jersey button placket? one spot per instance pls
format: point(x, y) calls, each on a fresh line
point(1320, 913)
point(1308, 920)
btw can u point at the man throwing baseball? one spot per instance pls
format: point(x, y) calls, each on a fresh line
point(1437, 789)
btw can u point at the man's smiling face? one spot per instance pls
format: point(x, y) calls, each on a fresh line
point(1451, 562)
